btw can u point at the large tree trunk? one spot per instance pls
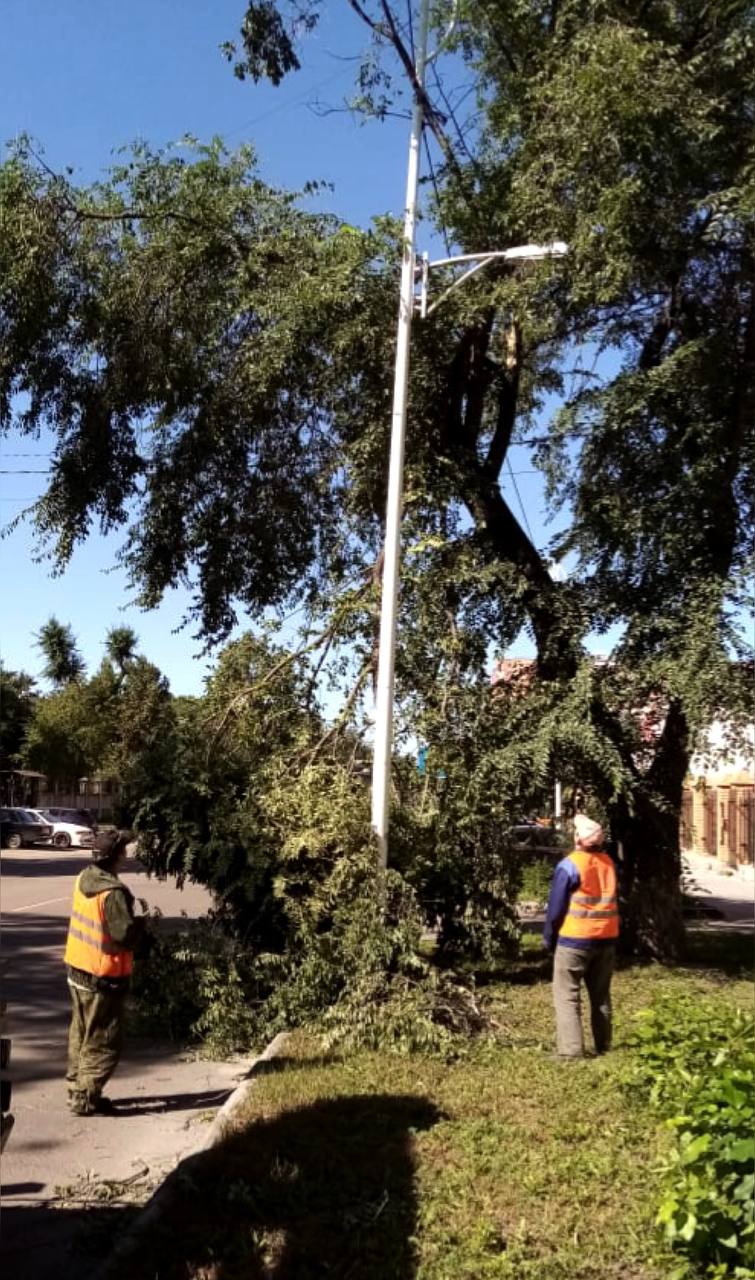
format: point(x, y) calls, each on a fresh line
point(651, 895)
point(647, 823)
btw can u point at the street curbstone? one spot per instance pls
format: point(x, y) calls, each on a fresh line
point(223, 1121)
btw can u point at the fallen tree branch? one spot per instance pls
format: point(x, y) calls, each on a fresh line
point(345, 711)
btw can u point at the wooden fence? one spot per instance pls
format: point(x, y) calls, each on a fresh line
point(719, 822)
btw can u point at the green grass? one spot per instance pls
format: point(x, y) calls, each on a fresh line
point(504, 1164)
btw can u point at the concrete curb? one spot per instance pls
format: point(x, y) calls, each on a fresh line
point(224, 1119)
point(219, 1129)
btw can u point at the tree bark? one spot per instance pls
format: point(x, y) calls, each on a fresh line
point(648, 837)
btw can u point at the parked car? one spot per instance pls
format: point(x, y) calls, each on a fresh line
point(536, 840)
point(21, 828)
point(65, 833)
point(81, 817)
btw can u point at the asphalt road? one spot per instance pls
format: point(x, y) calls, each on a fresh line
point(162, 1094)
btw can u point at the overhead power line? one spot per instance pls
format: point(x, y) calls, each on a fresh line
point(521, 504)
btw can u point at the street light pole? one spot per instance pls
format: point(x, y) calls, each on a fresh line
point(381, 760)
point(473, 262)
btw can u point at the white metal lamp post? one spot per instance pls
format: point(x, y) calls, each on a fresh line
point(408, 303)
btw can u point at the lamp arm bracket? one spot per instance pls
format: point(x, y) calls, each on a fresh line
point(521, 253)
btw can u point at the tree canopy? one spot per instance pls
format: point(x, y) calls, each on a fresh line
point(215, 363)
point(17, 699)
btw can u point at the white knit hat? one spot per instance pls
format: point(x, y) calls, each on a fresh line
point(588, 833)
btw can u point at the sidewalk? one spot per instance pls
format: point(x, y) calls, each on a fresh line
point(165, 1103)
point(723, 901)
point(164, 1096)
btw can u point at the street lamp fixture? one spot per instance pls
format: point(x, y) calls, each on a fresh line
point(522, 253)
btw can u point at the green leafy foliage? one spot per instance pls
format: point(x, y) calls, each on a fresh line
point(697, 1064)
point(536, 881)
point(350, 970)
point(267, 45)
point(195, 985)
point(17, 700)
point(63, 662)
point(207, 355)
point(117, 723)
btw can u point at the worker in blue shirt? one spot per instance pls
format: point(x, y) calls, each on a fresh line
point(581, 929)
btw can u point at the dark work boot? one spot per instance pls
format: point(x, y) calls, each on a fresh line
point(80, 1103)
point(104, 1107)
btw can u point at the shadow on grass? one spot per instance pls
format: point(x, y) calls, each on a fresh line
point(730, 953)
point(529, 968)
point(319, 1190)
point(724, 951)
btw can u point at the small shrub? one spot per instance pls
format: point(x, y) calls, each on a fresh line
point(697, 1063)
point(536, 881)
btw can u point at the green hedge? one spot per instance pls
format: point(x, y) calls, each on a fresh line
point(697, 1066)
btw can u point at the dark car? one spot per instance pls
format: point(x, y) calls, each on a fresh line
point(19, 829)
point(536, 840)
point(80, 817)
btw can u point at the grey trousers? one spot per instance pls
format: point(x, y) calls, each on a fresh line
point(571, 966)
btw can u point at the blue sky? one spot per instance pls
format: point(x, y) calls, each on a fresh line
point(85, 77)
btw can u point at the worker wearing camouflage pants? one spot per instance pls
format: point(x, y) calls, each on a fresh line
point(99, 960)
point(95, 1040)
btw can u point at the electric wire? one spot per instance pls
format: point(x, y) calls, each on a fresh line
point(410, 27)
point(521, 504)
point(436, 189)
point(300, 100)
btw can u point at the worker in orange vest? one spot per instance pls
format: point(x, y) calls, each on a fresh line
point(99, 957)
point(581, 927)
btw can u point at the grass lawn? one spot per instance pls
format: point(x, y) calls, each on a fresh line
point(505, 1163)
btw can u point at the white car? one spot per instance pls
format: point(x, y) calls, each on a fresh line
point(66, 834)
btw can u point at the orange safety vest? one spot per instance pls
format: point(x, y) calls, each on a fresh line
point(593, 907)
point(89, 945)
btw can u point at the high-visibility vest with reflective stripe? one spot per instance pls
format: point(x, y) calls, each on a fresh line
point(593, 907)
point(89, 945)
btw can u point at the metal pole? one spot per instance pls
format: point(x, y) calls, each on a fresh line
point(381, 761)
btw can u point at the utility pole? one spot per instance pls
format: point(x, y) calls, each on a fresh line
point(381, 760)
point(472, 262)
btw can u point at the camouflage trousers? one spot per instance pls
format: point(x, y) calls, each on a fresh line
point(95, 1039)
